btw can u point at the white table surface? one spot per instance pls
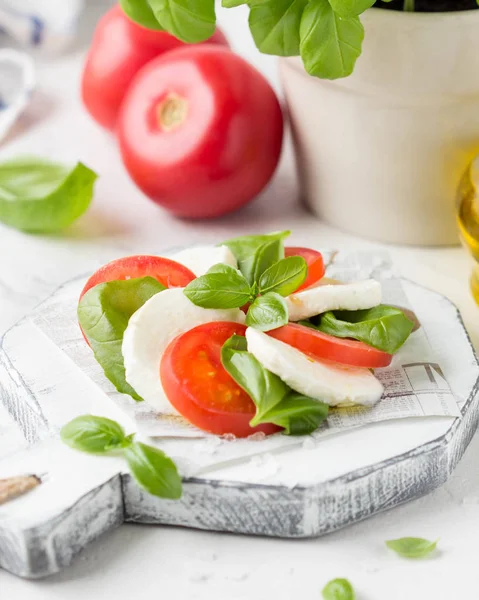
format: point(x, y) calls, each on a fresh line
point(136, 561)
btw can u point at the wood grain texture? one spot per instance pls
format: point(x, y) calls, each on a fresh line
point(35, 543)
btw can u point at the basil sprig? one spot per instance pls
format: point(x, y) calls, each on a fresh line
point(153, 469)
point(39, 196)
point(338, 589)
point(246, 245)
point(263, 277)
point(275, 401)
point(411, 547)
point(327, 34)
point(267, 312)
point(103, 314)
point(383, 327)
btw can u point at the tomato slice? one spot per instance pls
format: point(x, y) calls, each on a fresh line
point(321, 346)
point(314, 261)
point(166, 271)
point(201, 389)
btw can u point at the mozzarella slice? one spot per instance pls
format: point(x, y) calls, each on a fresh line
point(348, 296)
point(329, 382)
point(150, 330)
point(200, 259)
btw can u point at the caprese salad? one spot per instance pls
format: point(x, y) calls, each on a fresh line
point(246, 336)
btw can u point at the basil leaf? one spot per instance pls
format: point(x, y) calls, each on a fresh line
point(244, 246)
point(265, 389)
point(104, 312)
point(411, 547)
point(222, 287)
point(350, 8)
point(275, 25)
point(94, 435)
point(330, 44)
point(285, 276)
point(234, 3)
point(254, 265)
point(297, 414)
point(338, 589)
point(154, 471)
point(40, 196)
point(383, 327)
point(190, 21)
point(267, 312)
point(140, 12)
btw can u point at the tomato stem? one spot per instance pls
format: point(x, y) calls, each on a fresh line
point(172, 112)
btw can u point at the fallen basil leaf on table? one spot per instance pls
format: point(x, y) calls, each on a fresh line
point(338, 589)
point(383, 327)
point(94, 435)
point(244, 246)
point(284, 277)
point(411, 547)
point(154, 471)
point(39, 196)
point(103, 314)
point(223, 286)
point(267, 312)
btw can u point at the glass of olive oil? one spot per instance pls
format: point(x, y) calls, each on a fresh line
point(467, 211)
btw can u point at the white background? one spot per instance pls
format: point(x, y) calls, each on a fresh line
point(142, 561)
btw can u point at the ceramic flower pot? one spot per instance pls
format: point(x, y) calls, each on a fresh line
point(381, 153)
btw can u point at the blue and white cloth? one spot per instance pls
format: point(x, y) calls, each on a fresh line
point(48, 25)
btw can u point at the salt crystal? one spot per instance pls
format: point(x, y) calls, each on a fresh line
point(259, 436)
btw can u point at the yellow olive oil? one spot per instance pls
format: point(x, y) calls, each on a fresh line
point(468, 220)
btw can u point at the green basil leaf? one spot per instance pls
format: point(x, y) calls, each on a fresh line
point(338, 589)
point(104, 312)
point(94, 435)
point(40, 196)
point(275, 25)
point(330, 44)
point(154, 471)
point(244, 246)
point(190, 21)
point(254, 265)
point(265, 389)
point(383, 327)
point(284, 277)
point(222, 287)
point(411, 547)
point(297, 414)
point(350, 8)
point(267, 312)
point(234, 3)
point(141, 12)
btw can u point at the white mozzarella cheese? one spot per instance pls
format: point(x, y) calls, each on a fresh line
point(329, 382)
point(348, 296)
point(200, 259)
point(150, 330)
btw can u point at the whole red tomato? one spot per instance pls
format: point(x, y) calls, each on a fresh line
point(119, 50)
point(200, 131)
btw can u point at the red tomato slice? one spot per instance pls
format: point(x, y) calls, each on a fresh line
point(314, 261)
point(200, 388)
point(166, 271)
point(321, 346)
